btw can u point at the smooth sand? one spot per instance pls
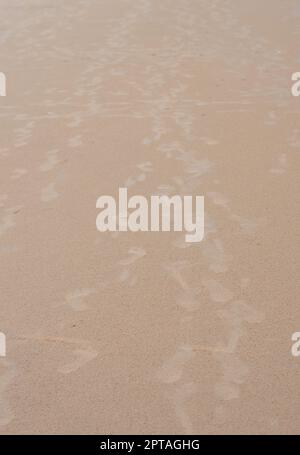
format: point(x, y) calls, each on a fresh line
point(141, 332)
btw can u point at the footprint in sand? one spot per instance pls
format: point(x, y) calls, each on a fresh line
point(234, 373)
point(77, 120)
point(180, 242)
point(271, 119)
point(248, 227)
point(281, 166)
point(3, 198)
point(209, 225)
point(134, 254)
point(49, 193)
point(219, 199)
point(146, 141)
point(197, 168)
point(17, 173)
point(209, 141)
point(130, 182)
point(141, 177)
point(20, 144)
point(239, 311)
point(175, 271)
point(217, 292)
point(294, 140)
point(83, 356)
point(127, 277)
point(214, 253)
point(165, 189)
point(182, 394)
point(173, 368)
point(133, 180)
point(7, 222)
point(51, 162)
point(145, 168)
point(188, 299)
point(171, 149)
point(76, 299)
point(75, 141)
point(4, 151)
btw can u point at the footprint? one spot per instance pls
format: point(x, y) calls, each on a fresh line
point(248, 226)
point(188, 300)
point(3, 198)
point(239, 311)
point(181, 395)
point(234, 372)
point(77, 120)
point(220, 414)
point(129, 182)
point(217, 292)
point(197, 168)
point(219, 199)
point(83, 353)
point(127, 277)
point(83, 356)
point(51, 162)
point(165, 189)
point(75, 141)
point(141, 177)
point(281, 165)
point(17, 173)
point(146, 166)
point(180, 242)
point(49, 193)
point(227, 390)
point(135, 253)
point(214, 253)
point(172, 370)
point(209, 141)
point(76, 299)
point(175, 270)
point(7, 223)
point(271, 118)
point(172, 149)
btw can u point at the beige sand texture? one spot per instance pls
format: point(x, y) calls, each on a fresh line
point(143, 333)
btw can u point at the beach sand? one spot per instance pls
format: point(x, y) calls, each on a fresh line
point(143, 333)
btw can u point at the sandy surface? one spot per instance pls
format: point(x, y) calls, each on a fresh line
point(141, 332)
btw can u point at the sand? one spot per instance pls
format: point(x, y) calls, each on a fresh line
point(143, 333)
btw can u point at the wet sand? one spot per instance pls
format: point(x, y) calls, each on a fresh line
point(142, 333)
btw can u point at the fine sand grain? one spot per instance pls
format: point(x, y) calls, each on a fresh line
point(143, 333)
